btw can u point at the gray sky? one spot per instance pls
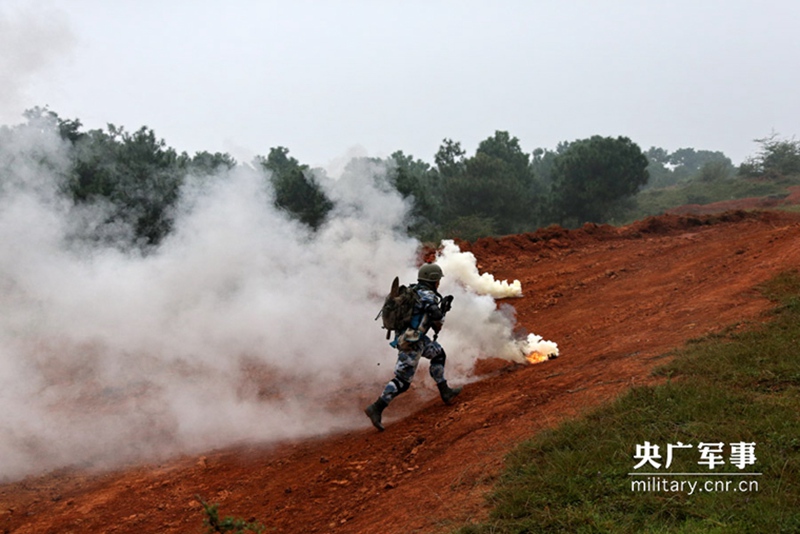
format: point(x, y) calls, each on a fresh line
point(326, 79)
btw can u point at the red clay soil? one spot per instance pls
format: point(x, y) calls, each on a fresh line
point(615, 300)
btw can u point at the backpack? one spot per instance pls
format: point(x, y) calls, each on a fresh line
point(398, 307)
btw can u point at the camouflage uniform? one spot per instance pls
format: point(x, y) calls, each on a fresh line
point(414, 343)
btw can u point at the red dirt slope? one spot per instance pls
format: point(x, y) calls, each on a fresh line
point(613, 299)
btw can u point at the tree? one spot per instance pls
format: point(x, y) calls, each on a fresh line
point(34, 142)
point(493, 189)
point(715, 171)
point(206, 163)
point(542, 163)
point(542, 169)
point(296, 188)
point(684, 165)
point(416, 179)
point(776, 157)
point(661, 174)
point(687, 162)
point(134, 175)
point(505, 148)
point(136, 172)
point(410, 176)
point(593, 175)
point(449, 158)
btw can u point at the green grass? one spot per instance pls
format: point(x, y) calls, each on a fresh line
point(657, 201)
point(795, 208)
point(730, 387)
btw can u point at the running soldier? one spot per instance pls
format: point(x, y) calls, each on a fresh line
point(413, 343)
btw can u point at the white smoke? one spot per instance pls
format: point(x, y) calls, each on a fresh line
point(30, 44)
point(462, 272)
point(463, 266)
point(242, 325)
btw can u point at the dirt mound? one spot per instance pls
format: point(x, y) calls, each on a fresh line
point(615, 300)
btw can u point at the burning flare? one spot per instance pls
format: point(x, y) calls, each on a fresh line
point(535, 349)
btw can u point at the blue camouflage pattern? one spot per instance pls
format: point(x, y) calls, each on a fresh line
point(414, 344)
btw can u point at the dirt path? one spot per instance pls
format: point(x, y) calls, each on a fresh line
point(615, 300)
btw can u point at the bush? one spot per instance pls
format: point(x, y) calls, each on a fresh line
point(215, 525)
point(777, 157)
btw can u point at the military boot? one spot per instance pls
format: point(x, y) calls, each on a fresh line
point(447, 393)
point(374, 412)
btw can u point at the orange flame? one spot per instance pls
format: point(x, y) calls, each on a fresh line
point(537, 357)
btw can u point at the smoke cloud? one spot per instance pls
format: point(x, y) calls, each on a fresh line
point(241, 325)
point(480, 292)
point(464, 267)
point(30, 43)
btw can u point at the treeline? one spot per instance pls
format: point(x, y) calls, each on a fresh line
point(500, 189)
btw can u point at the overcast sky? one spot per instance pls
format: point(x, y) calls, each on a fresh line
point(336, 77)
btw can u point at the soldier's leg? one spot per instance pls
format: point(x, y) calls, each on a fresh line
point(434, 351)
point(404, 371)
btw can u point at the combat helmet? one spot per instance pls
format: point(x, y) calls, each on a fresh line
point(430, 272)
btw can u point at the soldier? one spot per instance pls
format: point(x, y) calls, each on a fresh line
point(412, 343)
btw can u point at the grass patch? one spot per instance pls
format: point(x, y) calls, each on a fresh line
point(657, 201)
point(794, 208)
point(735, 387)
